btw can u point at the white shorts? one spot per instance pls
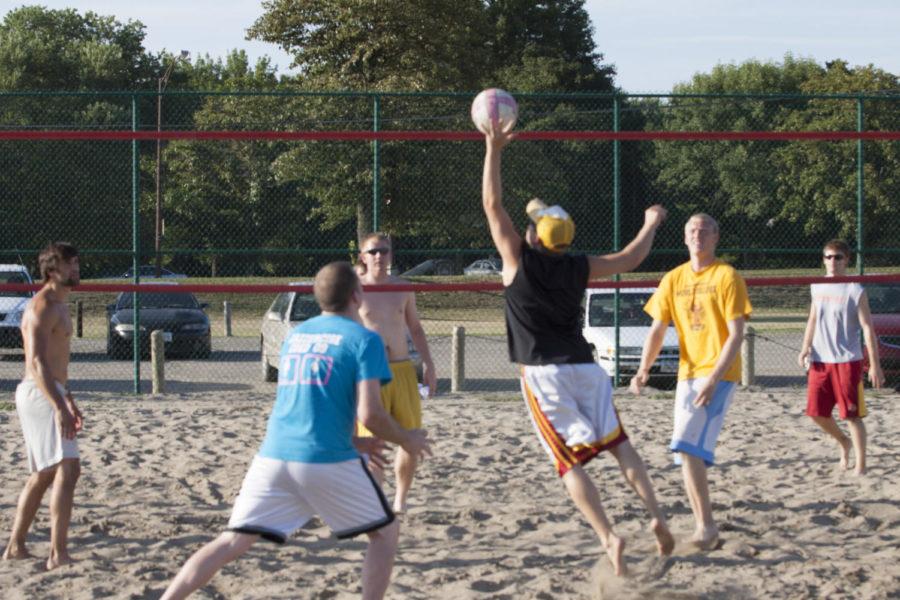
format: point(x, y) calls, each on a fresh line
point(572, 411)
point(44, 444)
point(278, 497)
point(696, 429)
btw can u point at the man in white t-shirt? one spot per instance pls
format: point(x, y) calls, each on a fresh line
point(832, 351)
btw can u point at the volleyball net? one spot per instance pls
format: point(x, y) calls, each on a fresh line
point(236, 197)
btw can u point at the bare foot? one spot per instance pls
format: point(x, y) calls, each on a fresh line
point(615, 548)
point(845, 453)
point(16, 552)
point(399, 508)
point(665, 543)
point(859, 470)
point(705, 539)
point(55, 562)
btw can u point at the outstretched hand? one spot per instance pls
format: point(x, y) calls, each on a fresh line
point(374, 448)
point(497, 138)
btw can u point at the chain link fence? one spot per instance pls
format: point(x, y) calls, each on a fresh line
point(263, 209)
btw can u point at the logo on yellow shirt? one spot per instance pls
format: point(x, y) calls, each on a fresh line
point(697, 316)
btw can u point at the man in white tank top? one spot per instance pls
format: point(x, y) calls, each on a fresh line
point(833, 355)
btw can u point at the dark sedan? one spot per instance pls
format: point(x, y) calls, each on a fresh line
point(178, 315)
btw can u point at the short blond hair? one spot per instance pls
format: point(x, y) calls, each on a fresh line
point(701, 216)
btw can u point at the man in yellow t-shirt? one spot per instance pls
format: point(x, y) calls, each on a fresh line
point(707, 300)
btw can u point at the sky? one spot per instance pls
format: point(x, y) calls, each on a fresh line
point(654, 44)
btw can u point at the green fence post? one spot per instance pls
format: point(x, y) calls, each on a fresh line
point(617, 225)
point(860, 190)
point(376, 166)
point(136, 244)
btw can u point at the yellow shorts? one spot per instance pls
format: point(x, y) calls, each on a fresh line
point(400, 398)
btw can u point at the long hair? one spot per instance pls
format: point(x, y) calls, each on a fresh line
point(52, 255)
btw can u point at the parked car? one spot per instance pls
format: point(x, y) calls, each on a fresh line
point(432, 266)
point(884, 302)
point(150, 271)
point(288, 310)
point(179, 315)
point(485, 266)
point(634, 324)
point(12, 305)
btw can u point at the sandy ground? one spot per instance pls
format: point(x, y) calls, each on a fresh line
point(488, 516)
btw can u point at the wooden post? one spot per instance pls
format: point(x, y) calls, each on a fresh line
point(79, 313)
point(458, 360)
point(748, 357)
point(227, 310)
point(158, 361)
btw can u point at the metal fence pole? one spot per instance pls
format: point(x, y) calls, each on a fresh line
point(458, 360)
point(617, 226)
point(79, 314)
point(860, 189)
point(227, 314)
point(376, 166)
point(136, 242)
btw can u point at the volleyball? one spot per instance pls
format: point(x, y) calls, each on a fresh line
point(494, 106)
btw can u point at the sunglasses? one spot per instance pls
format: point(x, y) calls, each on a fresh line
point(833, 257)
point(374, 251)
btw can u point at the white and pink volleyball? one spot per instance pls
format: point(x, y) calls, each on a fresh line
point(494, 106)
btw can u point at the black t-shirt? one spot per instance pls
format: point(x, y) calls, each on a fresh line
point(543, 304)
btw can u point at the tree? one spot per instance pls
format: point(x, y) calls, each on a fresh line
point(407, 45)
point(78, 191)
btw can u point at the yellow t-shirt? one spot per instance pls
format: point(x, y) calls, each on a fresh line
point(701, 304)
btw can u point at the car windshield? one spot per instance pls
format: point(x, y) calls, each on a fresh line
point(155, 300)
point(884, 297)
point(13, 277)
point(305, 307)
point(631, 310)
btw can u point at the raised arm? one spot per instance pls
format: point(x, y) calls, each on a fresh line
point(635, 252)
point(507, 241)
point(876, 375)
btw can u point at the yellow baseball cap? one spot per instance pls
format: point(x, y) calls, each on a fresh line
point(554, 227)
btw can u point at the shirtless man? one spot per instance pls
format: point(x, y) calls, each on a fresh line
point(392, 314)
point(48, 414)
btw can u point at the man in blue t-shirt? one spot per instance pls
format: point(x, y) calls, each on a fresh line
point(330, 374)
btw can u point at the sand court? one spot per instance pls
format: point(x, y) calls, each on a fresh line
point(488, 519)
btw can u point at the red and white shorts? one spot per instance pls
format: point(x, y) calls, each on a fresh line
point(572, 412)
point(835, 383)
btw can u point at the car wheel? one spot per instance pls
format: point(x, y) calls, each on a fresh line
point(269, 373)
point(203, 352)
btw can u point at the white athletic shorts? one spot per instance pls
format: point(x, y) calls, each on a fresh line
point(278, 497)
point(696, 429)
point(572, 411)
point(44, 444)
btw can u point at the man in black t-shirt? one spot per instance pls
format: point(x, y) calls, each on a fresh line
point(568, 395)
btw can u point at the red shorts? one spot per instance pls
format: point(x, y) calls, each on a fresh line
point(835, 383)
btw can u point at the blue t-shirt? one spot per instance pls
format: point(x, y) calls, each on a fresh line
point(314, 414)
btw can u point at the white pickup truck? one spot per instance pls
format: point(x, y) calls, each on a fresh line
point(634, 324)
